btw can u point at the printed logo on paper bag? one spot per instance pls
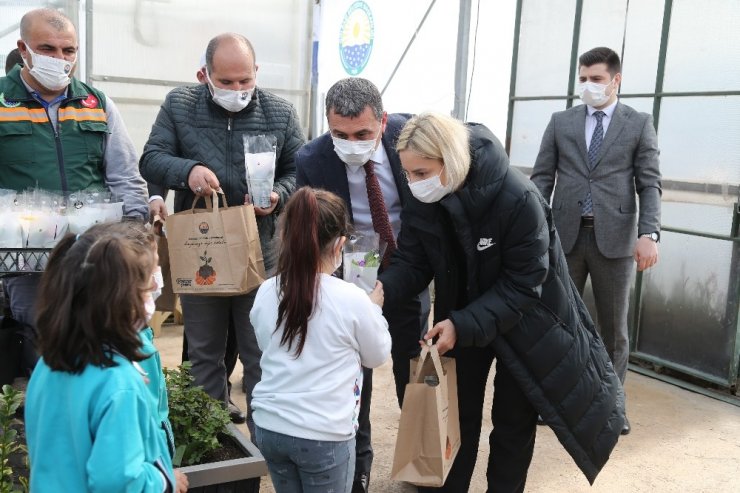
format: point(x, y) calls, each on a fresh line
point(203, 227)
point(205, 275)
point(356, 38)
point(448, 450)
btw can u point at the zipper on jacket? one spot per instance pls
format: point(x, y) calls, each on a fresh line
point(60, 153)
point(227, 162)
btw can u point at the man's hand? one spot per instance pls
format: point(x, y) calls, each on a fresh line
point(260, 211)
point(447, 336)
point(181, 482)
point(157, 207)
point(646, 253)
point(202, 181)
point(377, 295)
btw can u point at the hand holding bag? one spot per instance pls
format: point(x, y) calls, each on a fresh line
point(429, 430)
point(215, 251)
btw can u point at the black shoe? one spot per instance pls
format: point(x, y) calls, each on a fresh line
point(361, 483)
point(236, 414)
point(540, 421)
point(626, 428)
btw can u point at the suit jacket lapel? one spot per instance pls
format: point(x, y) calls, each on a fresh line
point(396, 167)
point(335, 175)
point(615, 128)
point(579, 127)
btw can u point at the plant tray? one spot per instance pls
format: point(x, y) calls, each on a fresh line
point(229, 476)
point(21, 260)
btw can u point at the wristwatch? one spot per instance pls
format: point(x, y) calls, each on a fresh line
point(655, 236)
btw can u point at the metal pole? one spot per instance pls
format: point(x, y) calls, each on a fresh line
point(461, 61)
point(88, 41)
point(512, 78)
point(574, 53)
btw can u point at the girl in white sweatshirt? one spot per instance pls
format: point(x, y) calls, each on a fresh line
point(315, 332)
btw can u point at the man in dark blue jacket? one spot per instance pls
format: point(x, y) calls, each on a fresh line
point(351, 160)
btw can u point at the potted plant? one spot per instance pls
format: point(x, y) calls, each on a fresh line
point(13, 455)
point(215, 454)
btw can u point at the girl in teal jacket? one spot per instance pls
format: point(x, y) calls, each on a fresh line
point(91, 423)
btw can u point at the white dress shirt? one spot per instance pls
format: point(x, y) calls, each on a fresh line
point(363, 223)
point(591, 120)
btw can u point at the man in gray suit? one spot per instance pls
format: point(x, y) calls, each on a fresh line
point(601, 159)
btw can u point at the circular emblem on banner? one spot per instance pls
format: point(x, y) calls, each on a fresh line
point(356, 37)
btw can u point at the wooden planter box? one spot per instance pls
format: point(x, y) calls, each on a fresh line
point(229, 476)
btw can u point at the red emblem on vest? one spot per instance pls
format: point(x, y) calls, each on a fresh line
point(90, 102)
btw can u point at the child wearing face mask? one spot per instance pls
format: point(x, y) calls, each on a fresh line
point(315, 332)
point(152, 365)
point(91, 423)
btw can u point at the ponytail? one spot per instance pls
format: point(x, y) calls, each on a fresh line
point(311, 222)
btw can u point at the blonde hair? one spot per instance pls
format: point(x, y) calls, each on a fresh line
point(438, 136)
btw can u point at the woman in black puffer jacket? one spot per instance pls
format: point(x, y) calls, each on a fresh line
point(482, 231)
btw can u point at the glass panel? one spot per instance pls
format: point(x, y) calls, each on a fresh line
point(145, 39)
point(698, 139)
point(644, 105)
point(602, 24)
point(139, 119)
point(530, 120)
point(489, 86)
point(714, 219)
point(425, 80)
point(544, 51)
point(686, 315)
point(703, 46)
point(642, 46)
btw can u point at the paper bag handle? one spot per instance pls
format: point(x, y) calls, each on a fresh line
point(211, 202)
point(158, 225)
point(429, 350)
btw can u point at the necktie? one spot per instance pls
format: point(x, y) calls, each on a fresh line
point(587, 207)
point(378, 211)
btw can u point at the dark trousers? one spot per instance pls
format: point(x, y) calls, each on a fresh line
point(22, 293)
point(406, 324)
point(611, 279)
point(232, 353)
point(514, 425)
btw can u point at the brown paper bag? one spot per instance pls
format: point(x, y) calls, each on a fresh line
point(429, 429)
point(166, 301)
point(215, 251)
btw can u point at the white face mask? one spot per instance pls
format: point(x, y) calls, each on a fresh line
point(150, 303)
point(52, 73)
point(594, 94)
point(354, 153)
point(338, 260)
point(233, 101)
point(430, 190)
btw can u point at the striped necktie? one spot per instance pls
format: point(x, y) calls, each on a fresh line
point(378, 211)
point(587, 206)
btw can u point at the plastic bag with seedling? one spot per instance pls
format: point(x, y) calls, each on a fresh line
point(361, 260)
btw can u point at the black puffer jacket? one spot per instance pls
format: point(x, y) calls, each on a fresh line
point(191, 129)
point(500, 276)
